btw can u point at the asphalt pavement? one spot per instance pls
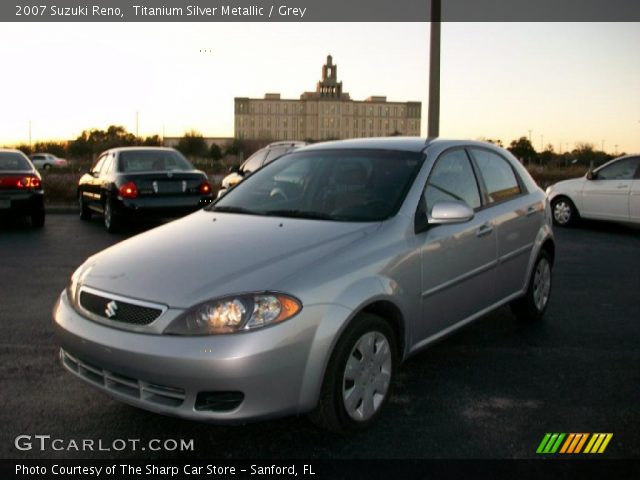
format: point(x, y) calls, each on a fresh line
point(492, 390)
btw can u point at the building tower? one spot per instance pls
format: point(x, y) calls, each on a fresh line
point(329, 85)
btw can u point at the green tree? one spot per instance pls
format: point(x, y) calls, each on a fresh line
point(95, 140)
point(522, 149)
point(58, 149)
point(192, 144)
point(152, 141)
point(215, 152)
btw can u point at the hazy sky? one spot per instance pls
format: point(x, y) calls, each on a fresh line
point(566, 82)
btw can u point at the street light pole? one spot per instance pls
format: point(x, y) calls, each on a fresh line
point(433, 128)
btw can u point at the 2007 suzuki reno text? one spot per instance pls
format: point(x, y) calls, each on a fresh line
point(304, 287)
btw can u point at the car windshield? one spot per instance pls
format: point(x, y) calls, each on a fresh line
point(340, 185)
point(13, 161)
point(151, 161)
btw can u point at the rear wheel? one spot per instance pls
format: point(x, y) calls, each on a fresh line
point(111, 221)
point(85, 212)
point(37, 219)
point(532, 306)
point(359, 376)
point(564, 212)
point(47, 167)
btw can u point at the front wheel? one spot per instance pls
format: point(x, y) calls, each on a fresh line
point(532, 305)
point(359, 376)
point(564, 212)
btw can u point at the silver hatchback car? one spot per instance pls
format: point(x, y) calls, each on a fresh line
point(305, 287)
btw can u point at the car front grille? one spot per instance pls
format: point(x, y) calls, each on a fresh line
point(118, 310)
point(123, 385)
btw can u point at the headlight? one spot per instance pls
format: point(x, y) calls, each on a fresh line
point(75, 282)
point(235, 314)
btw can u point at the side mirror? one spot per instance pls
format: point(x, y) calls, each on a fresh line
point(450, 212)
point(234, 169)
point(591, 175)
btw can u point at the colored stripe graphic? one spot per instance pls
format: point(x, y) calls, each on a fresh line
point(551, 442)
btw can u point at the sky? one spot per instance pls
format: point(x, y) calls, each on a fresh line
point(559, 83)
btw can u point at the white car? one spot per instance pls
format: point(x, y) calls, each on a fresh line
point(47, 161)
point(610, 192)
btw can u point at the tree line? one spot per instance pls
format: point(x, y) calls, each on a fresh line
point(192, 144)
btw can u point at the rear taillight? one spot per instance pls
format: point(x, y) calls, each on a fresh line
point(128, 190)
point(29, 182)
point(205, 188)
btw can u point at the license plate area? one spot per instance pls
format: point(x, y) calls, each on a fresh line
point(169, 186)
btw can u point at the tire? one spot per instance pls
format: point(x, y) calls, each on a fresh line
point(349, 404)
point(564, 212)
point(111, 221)
point(37, 219)
point(85, 212)
point(47, 167)
point(533, 304)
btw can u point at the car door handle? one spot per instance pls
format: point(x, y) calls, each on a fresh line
point(531, 210)
point(622, 186)
point(484, 230)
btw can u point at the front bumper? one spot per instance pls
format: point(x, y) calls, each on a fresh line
point(277, 369)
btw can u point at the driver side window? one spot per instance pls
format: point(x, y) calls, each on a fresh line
point(452, 178)
point(620, 170)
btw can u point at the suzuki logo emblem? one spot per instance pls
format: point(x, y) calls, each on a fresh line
point(112, 309)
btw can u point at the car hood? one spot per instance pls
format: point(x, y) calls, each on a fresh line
point(210, 254)
point(569, 185)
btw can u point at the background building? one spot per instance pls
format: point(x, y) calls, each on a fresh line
point(327, 113)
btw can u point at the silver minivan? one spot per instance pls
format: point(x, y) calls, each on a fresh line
point(306, 286)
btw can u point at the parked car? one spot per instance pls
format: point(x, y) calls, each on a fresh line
point(610, 192)
point(47, 161)
point(21, 191)
point(262, 157)
point(309, 299)
point(130, 182)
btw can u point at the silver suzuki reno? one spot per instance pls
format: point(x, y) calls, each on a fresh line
point(304, 287)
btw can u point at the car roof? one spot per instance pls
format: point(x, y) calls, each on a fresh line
point(408, 144)
point(130, 149)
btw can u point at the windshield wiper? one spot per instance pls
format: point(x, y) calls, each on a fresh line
point(232, 209)
point(300, 214)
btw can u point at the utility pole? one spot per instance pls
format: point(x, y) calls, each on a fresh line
point(530, 136)
point(137, 120)
point(29, 133)
point(602, 148)
point(541, 143)
point(616, 148)
point(433, 119)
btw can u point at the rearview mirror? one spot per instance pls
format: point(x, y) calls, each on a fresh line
point(450, 212)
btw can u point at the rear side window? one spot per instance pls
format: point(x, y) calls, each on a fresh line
point(499, 178)
point(452, 178)
point(13, 161)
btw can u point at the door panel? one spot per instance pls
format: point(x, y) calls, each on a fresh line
point(607, 195)
point(634, 201)
point(606, 199)
point(458, 273)
point(458, 260)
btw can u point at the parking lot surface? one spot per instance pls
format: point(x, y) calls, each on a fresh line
point(492, 390)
